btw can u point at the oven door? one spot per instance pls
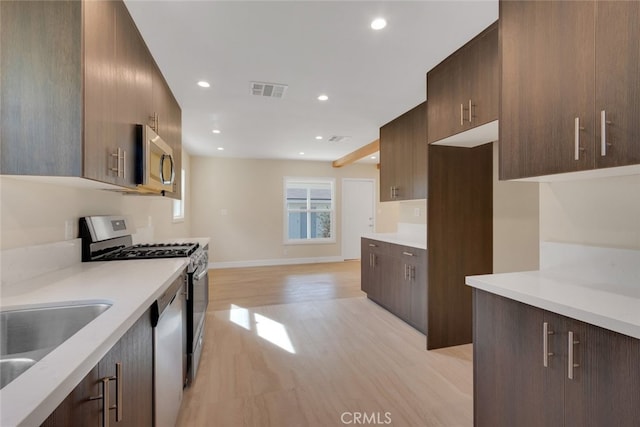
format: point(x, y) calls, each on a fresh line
point(199, 300)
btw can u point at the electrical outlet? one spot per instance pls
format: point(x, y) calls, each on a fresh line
point(69, 229)
point(416, 211)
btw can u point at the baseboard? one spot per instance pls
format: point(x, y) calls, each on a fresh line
point(271, 262)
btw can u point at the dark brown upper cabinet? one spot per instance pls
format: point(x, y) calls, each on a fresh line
point(462, 93)
point(77, 77)
point(570, 86)
point(403, 156)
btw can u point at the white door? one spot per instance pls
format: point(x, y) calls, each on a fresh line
point(358, 208)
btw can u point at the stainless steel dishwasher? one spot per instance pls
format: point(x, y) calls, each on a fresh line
point(168, 351)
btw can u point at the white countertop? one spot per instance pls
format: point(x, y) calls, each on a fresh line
point(407, 234)
point(131, 287)
point(609, 305)
point(399, 239)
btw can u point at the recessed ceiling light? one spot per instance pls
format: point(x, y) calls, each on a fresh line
point(202, 83)
point(378, 23)
point(318, 137)
point(301, 153)
point(216, 131)
point(220, 148)
point(323, 98)
point(373, 157)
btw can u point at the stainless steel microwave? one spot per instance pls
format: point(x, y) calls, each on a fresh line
point(155, 170)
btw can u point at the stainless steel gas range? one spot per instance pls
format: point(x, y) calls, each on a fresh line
point(109, 238)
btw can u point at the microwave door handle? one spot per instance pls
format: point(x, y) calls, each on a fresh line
point(162, 178)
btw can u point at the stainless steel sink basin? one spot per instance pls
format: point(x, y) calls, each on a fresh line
point(11, 368)
point(28, 335)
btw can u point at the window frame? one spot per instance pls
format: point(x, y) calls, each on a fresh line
point(332, 212)
point(181, 202)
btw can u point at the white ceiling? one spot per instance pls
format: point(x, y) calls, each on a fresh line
point(315, 47)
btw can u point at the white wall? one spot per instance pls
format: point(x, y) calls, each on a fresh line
point(239, 205)
point(33, 213)
point(515, 223)
point(600, 212)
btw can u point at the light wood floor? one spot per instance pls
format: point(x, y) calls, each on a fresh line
point(300, 346)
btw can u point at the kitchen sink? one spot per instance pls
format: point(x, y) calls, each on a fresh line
point(27, 335)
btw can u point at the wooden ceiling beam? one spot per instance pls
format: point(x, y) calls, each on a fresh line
point(358, 154)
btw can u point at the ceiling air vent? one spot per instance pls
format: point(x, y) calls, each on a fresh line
point(338, 138)
point(272, 90)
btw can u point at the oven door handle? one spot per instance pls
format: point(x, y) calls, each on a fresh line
point(202, 274)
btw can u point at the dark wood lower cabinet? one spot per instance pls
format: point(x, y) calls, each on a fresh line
point(134, 353)
point(512, 385)
point(395, 277)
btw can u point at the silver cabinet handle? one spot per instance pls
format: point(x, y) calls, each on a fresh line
point(106, 393)
point(576, 136)
point(570, 364)
point(118, 405)
point(406, 275)
point(470, 114)
point(105, 400)
point(461, 114)
point(603, 133)
point(407, 253)
point(120, 155)
point(117, 157)
point(545, 344)
point(372, 245)
point(412, 272)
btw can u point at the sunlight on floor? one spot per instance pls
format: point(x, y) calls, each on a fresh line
point(267, 329)
point(239, 316)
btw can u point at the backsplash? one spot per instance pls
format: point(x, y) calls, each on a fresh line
point(600, 212)
point(28, 262)
point(594, 264)
point(35, 213)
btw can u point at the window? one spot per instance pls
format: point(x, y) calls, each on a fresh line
point(178, 205)
point(309, 210)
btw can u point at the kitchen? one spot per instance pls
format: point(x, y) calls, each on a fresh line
point(562, 211)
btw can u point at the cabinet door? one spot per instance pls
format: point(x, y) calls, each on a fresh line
point(372, 264)
point(547, 82)
point(137, 358)
point(508, 373)
point(389, 159)
point(418, 297)
point(484, 75)
point(161, 103)
point(366, 267)
point(418, 151)
point(41, 81)
point(606, 384)
point(618, 82)
point(403, 157)
point(393, 284)
point(101, 161)
point(175, 141)
point(134, 352)
point(134, 90)
point(448, 90)
point(77, 409)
